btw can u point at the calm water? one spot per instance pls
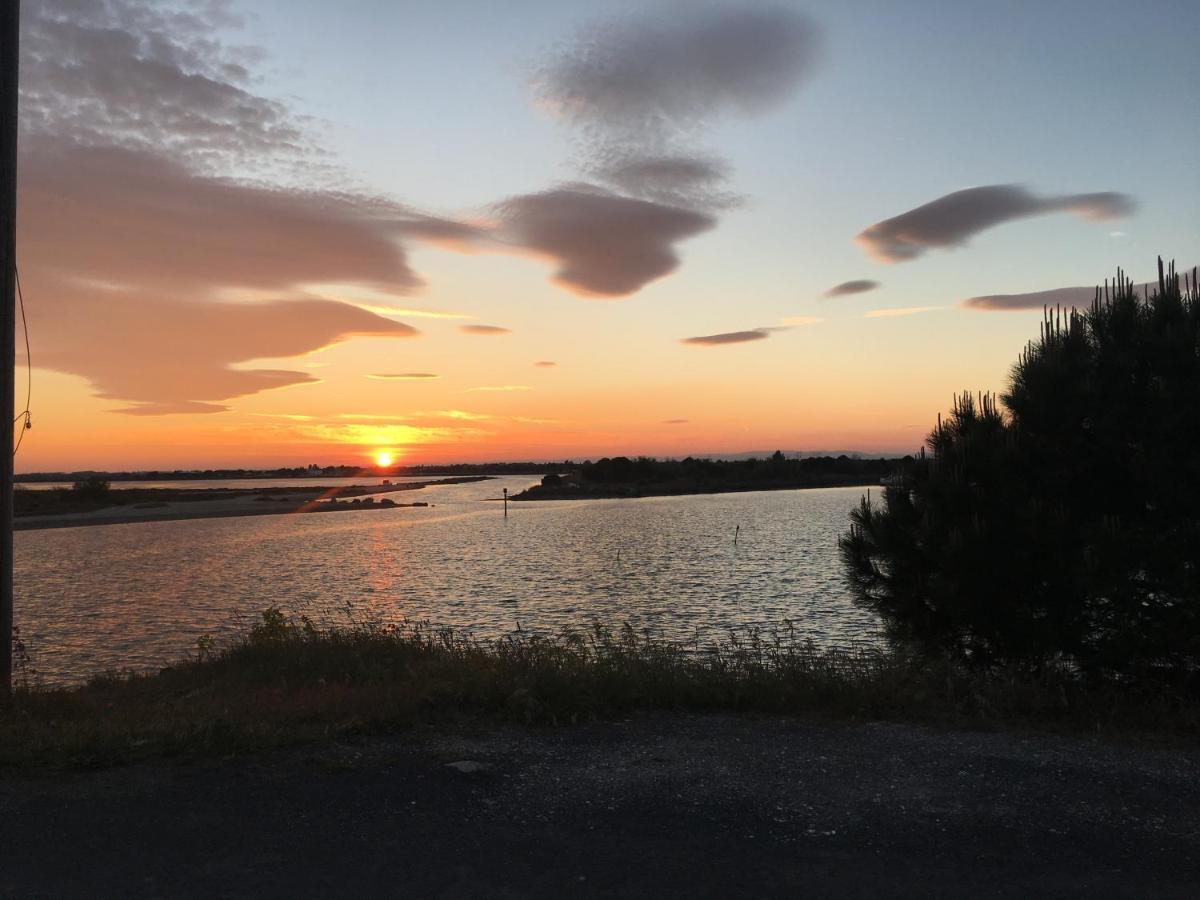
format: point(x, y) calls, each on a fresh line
point(139, 595)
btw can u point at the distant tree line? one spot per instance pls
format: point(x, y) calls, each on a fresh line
point(622, 476)
point(1062, 523)
point(310, 471)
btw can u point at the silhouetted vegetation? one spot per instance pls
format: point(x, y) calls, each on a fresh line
point(96, 494)
point(647, 477)
point(310, 471)
point(290, 681)
point(1067, 524)
point(91, 489)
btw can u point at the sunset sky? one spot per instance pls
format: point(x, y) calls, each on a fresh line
point(276, 232)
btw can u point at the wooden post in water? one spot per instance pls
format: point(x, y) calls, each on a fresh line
point(506, 503)
point(10, 18)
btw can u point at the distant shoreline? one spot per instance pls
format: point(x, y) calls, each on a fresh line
point(451, 470)
point(171, 505)
point(634, 492)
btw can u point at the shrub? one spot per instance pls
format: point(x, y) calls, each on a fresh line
point(91, 488)
point(1066, 524)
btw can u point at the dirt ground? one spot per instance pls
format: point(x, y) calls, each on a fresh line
point(658, 805)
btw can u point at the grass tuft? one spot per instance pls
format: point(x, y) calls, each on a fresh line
point(289, 681)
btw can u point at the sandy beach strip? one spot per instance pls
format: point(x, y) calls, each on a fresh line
point(262, 502)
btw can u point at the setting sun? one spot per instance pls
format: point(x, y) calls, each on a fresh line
point(384, 458)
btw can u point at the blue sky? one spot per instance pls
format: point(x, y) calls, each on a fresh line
point(911, 101)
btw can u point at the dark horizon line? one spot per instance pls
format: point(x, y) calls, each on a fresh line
point(733, 456)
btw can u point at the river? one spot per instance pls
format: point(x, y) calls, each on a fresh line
point(137, 596)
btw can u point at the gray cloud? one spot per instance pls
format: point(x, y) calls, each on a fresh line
point(148, 75)
point(950, 220)
point(859, 286)
point(605, 244)
point(690, 181)
point(1066, 297)
point(647, 79)
point(545, 364)
point(730, 337)
point(638, 89)
point(446, 232)
point(484, 329)
point(675, 421)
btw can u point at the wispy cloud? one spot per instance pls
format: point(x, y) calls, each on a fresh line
point(545, 364)
point(498, 388)
point(858, 286)
point(900, 311)
point(404, 376)
point(416, 417)
point(484, 329)
point(676, 180)
point(800, 321)
point(950, 220)
point(411, 312)
point(169, 408)
point(388, 435)
point(460, 414)
point(729, 337)
point(676, 421)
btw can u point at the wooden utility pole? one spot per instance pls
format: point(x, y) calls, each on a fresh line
point(10, 19)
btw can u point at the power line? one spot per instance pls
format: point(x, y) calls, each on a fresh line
point(10, 32)
point(27, 413)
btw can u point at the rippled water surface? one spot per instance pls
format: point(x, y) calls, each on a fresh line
point(139, 595)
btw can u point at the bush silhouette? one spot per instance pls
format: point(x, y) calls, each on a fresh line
point(1067, 524)
point(92, 488)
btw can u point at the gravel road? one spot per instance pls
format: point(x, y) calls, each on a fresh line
point(658, 805)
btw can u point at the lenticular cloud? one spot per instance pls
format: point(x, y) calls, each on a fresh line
point(950, 220)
